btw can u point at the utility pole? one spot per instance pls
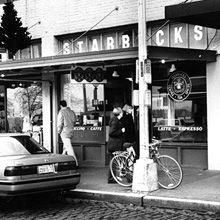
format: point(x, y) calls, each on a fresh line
point(145, 170)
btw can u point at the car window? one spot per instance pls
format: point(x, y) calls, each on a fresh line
point(10, 146)
point(31, 145)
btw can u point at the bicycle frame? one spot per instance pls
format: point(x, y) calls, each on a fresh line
point(169, 171)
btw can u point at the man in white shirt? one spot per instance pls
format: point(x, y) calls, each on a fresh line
point(65, 126)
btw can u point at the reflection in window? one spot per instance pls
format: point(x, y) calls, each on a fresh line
point(179, 121)
point(87, 101)
point(33, 51)
point(10, 146)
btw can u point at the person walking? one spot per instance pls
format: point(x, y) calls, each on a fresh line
point(115, 141)
point(65, 126)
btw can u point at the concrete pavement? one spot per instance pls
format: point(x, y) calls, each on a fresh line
point(200, 190)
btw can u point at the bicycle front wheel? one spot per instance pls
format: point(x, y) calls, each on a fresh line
point(169, 171)
point(121, 171)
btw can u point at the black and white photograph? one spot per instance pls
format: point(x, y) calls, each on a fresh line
point(109, 109)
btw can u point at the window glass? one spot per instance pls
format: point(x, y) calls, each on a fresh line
point(36, 50)
point(109, 41)
point(10, 146)
point(33, 51)
point(125, 39)
point(94, 43)
point(182, 120)
point(30, 145)
point(67, 46)
point(80, 45)
point(87, 101)
point(26, 53)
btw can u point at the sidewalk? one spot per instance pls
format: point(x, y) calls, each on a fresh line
point(199, 190)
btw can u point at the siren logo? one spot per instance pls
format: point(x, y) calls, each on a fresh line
point(179, 86)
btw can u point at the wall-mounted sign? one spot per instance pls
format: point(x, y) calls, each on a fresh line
point(148, 97)
point(180, 35)
point(179, 86)
point(147, 72)
point(99, 42)
point(171, 35)
point(87, 75)
point(179, 128)
point(90, 128)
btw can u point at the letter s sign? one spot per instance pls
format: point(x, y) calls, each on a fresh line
point(198, 34)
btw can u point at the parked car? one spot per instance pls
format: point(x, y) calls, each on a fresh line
point(27, 167)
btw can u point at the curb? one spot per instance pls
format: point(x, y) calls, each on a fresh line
point(126, 198)
point(192, 204)
point(141, 199)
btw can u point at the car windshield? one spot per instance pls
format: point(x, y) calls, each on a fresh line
point(20, 145)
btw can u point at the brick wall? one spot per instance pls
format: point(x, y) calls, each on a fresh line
point(59, 17)
point(66, 16)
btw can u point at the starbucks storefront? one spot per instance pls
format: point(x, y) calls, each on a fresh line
point(179, 116)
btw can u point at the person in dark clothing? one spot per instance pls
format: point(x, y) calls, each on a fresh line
point(115, 141)
point(128, 123)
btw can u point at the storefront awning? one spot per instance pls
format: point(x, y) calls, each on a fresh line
point(71, 59)
point(204, 13)
point(37, 67)
point(171, 53)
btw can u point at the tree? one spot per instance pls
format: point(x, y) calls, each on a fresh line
point(30, 100)
point(13, 36)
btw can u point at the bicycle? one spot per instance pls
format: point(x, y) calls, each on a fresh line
point(169, 171)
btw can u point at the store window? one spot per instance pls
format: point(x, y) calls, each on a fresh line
point(179, 106)
point(24, 109)
point(87, 102)
point(33, 51)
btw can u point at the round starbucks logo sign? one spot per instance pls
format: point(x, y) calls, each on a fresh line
point(179, 86)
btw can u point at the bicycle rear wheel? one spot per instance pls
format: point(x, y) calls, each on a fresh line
point(121, 170)
point(169, 171)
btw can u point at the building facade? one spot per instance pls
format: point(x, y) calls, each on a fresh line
point(86, 52)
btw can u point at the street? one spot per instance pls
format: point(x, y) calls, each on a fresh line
point(44, 208)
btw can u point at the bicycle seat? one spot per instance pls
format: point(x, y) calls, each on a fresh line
point(127, 145)
point(117, 152)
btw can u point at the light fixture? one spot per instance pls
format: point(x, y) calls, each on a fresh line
point(163, 61)
point(172, 68)
point(129, 78)
point(115, 74)
point(2, 75)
